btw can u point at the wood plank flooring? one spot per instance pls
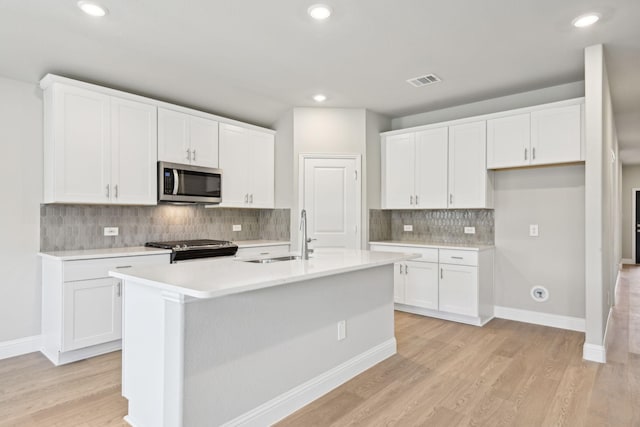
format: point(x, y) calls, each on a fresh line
point(445, 374)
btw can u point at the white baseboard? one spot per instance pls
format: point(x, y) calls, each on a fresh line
point(280, 407)
point(20, 346)
point(627, 261)
point(594, 353)
point(469, 320)
point(539, 318)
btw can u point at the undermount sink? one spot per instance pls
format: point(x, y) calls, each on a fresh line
point(276, 259)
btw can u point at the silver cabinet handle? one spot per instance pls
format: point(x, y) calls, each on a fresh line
point(107, 191)
point(533, 153)
point(188, 154)
point(525, 153)
point(193, 155)
point(441, 274)
point(176, 181)
point(450, 198)
point(246, 198)
point(251, 198)
point(119, 289)
point(400, 268)
point(416, 199)
point(456, 257)
point(123, 266)
point(411, 200)
point(115, 191)
point(406, 269)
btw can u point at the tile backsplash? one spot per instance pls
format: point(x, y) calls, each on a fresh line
point(433, 226)
point(70, 227)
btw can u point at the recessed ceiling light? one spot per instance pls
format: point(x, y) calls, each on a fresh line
point(319, 11)
point(586, 20)
point(319, 98)
point(92, 9)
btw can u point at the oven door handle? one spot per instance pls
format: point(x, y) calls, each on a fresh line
point(176, 180)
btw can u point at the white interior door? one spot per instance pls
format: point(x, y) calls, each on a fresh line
point(331, 196)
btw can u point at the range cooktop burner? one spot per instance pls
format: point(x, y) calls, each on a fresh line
point(193, 249)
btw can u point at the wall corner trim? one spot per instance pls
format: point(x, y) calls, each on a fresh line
point(539, 318)
point(594, 353)
point(20, 346)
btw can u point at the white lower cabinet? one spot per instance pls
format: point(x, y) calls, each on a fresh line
point(458, 286)
point(82, 305)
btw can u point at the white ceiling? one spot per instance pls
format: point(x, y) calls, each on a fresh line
point(255, 59)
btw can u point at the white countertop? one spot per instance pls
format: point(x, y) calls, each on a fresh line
point(227, 276)
point(463, 246)
point(258, 243)
point(102, 253)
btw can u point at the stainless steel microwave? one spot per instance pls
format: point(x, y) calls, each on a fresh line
point(178, 183)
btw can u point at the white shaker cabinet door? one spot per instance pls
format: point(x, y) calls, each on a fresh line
point(262, 168)
point(399, 171)
point(431, 169)
point(458, 291)
point(467, 166)
point(234, 162)
point(398, 283)
point(134, 153)
point(421, 286)
point(92, 313)
point(555, 135)
point(203, 138)
point(173, 137)
point(81, 147)
point(508, 141)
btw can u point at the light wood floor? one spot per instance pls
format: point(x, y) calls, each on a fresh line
point(445, 374)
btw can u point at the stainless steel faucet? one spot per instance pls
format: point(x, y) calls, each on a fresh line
point(305, 251)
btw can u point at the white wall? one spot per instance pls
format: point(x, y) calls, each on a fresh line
point(284, 161)
point(602, 210)
point(327, 131)
point(553, 198)
point(21, 136)
point(494, 105)
point(630, 180)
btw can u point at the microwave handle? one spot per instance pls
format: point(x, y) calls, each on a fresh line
point(176, 179)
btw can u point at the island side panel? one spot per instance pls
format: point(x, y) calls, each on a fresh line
point(244, 350)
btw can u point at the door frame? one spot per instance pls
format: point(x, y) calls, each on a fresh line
point(358, 159)
point(633, 224)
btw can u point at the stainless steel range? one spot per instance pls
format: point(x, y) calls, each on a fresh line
point(182, 250)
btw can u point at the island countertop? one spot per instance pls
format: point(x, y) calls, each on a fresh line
point(227, 276)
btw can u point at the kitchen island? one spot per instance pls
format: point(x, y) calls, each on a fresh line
point(231, 342)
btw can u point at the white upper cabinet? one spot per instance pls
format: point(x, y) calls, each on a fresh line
point(546, 135)
point(247, 163)
point(509, 141)
point(399, 171)
point(133, 152)
point(469, 185)
point(556, 135)
point(431, 169)
point(98, 148)
point(184, 138)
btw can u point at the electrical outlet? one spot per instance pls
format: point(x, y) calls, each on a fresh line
point(408, 227)
point(533, 230)
point(469, 230)
point(111, 231)
point(342, 330)
point(237, 227)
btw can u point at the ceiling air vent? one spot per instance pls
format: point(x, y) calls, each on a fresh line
point(424, 80)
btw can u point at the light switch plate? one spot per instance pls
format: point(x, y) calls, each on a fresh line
point(533, 230)
point(237, 227)
point(111, 231)
point(408, 227)
point(469, 230)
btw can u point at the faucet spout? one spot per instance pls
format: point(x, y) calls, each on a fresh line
point(304, 247)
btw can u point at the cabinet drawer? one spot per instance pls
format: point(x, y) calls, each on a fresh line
point(426, 254)
point(99, 268)
point(451, 256)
